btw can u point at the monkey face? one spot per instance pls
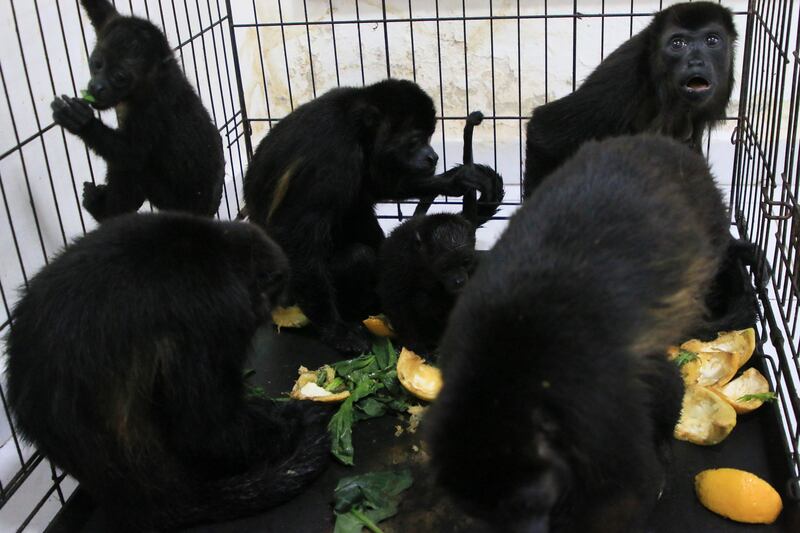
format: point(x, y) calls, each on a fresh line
point(409, 151)
point(697, 61)
point(454, 275)
point(124, 60)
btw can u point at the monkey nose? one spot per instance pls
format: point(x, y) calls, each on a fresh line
point(433, 158)
point(97, 89)
point(696, 62)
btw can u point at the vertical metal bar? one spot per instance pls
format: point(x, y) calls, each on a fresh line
point(310, 55)
point(360, 47)
point(335, 50)
point(413, 50)
point(386, 39)
point(242, 106)
point(286, 56)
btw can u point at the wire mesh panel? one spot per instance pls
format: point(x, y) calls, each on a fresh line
point(45, 45)
point(501, 57)
point(765, 189)
point(254, 61)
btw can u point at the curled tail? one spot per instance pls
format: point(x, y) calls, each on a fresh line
point(99, 11)
point(476, 210)
point(269, 484)
point(470, 202)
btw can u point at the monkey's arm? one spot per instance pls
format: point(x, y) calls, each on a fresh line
point(455, 182)
point(75, 115)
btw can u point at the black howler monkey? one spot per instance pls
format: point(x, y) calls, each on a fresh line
point(125, 363)
point(674, 78)
point(425, 262)
point(313, 184)
point(558, 398)
point(166, 148)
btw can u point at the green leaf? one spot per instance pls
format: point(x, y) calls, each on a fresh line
point(253, 391)
point(385, 354)
point(337, 384)
point(685, 356)
point(764, 397)
point(374, 491)
point(347, 523)
point(322, 377)
point(87, 97)
point(371, 408)
point(341, 424)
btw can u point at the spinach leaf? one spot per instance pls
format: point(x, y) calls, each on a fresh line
point(362, 501)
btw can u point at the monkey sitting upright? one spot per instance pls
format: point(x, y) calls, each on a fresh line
point(166, 149)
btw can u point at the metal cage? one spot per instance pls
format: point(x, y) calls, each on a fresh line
point(254, 61)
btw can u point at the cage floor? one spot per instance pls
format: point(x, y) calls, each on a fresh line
point(754, 445)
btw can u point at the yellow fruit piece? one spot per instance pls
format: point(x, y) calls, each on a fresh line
point(690, 371)
point(750, 382)
point(377, 325)
point(715, 368)
point(306, 388)
point(421, 380)
point(741, 344)
point(706, 419)
point(289, 317)
point(738, 495)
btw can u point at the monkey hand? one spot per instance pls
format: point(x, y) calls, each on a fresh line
point(94, 197)
point(73, 114)
point(347, 338)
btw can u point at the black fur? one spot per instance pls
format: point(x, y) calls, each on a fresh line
point(558, 400)
point(641, 87)
point(125, 364)
point(166, 149)
point(313, 184)
point(423, 266)
point(427, 260)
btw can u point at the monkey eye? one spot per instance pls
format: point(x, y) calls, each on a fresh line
point(119, 78)
point(712, 39)
point(677, 43)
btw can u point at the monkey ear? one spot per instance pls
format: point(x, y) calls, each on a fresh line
point(99, 11)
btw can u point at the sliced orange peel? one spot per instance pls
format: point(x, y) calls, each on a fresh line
point(738, 495)
point(306, 388)
point(379, 326)
point(289, 317)
point(751, 382)
point(713, 397)
point(706, 419)
point(420, 379)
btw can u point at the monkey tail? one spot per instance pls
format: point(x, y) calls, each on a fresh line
point(470, 201)
point(268, 484)
point(99, 11)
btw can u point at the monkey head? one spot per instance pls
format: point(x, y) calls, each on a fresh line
point(126, 61)
point(446, 243)
point(694, 46)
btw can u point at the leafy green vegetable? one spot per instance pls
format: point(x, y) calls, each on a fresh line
point(336, 385)
point(374, 390)
point(685, 356)
point(254, 391)
point(341, 424)
point(86, 95)
point(322, 377)
point(764, 397)
point(362, 501)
